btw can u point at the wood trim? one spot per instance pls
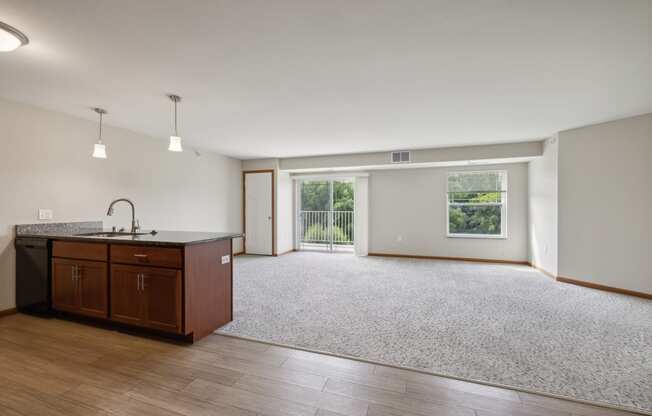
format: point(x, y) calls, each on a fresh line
point(8, 312)
point(542, 270)
point(240, 253)
point(598, 286)
point(472, 259)
point(287, 252)
point(244, 203)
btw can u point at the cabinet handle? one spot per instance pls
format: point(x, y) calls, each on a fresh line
point(142, 276)
point(138, 282)
point(140, 255)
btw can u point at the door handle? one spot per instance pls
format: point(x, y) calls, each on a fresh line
point(140, 283)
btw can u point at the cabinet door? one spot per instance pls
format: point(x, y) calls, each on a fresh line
point(93, 289)
point(127, 298)
point(162, 299)
point(64, 285)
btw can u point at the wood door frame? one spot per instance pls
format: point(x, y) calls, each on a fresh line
point(244, 207)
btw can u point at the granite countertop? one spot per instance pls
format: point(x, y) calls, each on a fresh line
point(72, 231)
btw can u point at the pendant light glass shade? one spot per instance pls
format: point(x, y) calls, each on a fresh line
point(175, 144)
point(99, 150)
point(175, 139)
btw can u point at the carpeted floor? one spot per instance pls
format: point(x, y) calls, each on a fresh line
point(503, 324)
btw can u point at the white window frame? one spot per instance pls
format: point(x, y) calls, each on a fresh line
point(503, 211)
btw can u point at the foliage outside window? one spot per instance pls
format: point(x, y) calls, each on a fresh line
point(476, 204)
point(318, 220)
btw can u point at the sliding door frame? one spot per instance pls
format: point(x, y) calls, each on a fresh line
point(331, 211)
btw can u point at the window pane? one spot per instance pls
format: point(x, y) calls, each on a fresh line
point(475, 197)
point(475, 219)
point(476, 181)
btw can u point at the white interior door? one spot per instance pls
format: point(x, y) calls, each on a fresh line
point(258, 213)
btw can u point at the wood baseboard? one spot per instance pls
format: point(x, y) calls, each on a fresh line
point(472, 259)
point(240, 253)
point(8, 312)
point(603, 287)
point(542, 270)
point(286, 252)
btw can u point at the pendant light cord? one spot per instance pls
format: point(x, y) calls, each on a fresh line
point(176, 131)
point(100, 139)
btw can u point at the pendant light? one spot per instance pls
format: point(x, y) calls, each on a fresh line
point(175, 140)
point(11, 38)
point(99, 150)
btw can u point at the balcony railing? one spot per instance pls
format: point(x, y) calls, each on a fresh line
point(314, 227)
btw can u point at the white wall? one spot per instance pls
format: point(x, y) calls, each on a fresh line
point(45, 163)
point(605, 203)
point(411, 203)
point(543, 200)
point(284, 213)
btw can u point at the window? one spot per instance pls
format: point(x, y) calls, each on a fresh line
point(476, 204)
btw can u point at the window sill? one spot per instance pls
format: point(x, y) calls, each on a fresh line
point(478, 236)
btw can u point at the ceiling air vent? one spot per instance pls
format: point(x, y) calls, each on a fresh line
point(401, 157)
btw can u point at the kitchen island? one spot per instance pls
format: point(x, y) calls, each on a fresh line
point(174, 282)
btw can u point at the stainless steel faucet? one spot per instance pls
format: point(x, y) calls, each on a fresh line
point(135, 225)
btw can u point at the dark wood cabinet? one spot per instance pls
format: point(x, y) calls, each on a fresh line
point(80, 286)
point(126, 299)
point(181, 289)
point(171, 257)
point(93, 288)
point(64, 285)
point(162, 289)
point(146, 296)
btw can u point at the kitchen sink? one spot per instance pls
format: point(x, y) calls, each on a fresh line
point(109, 234)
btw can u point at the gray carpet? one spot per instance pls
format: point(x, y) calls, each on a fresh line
point(503, 324)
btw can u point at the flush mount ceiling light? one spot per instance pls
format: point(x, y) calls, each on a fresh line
point(11, 38)
point(175, 140)
point(99, 150)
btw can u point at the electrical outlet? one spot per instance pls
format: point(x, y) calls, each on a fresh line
point(226, 259)
point(45, 214)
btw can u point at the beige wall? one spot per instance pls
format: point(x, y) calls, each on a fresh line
point(45, 163)
point(543, 200)
point(605, 204)
point(407, 215)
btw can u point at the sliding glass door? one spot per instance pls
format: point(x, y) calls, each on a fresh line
point(325, 215)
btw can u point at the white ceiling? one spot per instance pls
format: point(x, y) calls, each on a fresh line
point(288, 78)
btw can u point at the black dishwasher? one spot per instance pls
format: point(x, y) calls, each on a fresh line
point(33, 274)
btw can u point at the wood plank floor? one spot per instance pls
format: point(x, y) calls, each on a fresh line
point(56, 367)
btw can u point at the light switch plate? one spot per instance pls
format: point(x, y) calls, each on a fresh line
point(45, 214)
point(226, 259)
